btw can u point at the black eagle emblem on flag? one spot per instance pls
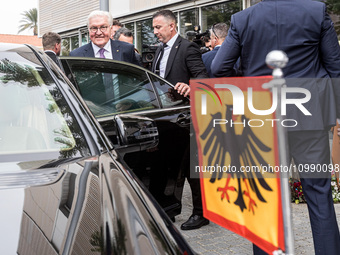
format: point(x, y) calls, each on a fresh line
point(244, 150)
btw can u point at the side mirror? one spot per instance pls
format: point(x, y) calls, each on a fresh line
point(135, 133)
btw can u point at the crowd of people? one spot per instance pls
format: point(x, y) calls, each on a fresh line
point(302, 29)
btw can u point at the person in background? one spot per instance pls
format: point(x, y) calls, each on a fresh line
point(52, 46)
point(207, 43)
point(124, 34)
point(115, 26)
point(99, 24)
point(305, 32)
point(218, 33)
point(177, 60)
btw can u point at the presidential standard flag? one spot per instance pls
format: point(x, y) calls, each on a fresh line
point(238, 159)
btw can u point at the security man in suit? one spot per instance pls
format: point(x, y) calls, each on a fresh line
point(218, 33)
point(101, 46)
point(52, 46)
point(305, 32)
point(177, 60)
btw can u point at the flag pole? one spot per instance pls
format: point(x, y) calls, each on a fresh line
point(277, 60)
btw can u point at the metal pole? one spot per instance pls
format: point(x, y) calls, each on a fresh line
point(277, 60)
point(104, 5)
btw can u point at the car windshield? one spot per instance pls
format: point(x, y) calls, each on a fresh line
point(36, 124)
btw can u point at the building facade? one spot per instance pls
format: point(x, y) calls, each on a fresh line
point(68, 18)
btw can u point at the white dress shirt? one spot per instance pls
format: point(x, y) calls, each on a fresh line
point(107, 52)
point(164, 61)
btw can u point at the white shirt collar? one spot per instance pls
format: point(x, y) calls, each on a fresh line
point(107, 47)
point(51, 51)
point(171, 42)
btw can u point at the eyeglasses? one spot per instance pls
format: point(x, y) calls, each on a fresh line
point(213, 30)
point(95, 29)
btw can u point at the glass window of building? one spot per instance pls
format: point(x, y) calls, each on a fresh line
point(65, 46)
point(145, 35)
point(84, 38)
point(74, 42)
point(70, 43)
point(188, 20)
point(131, 26)
point(219, 13)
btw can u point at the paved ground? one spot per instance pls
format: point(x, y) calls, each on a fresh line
point(213, 239)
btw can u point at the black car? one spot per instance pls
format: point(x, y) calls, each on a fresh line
point(64, 187)
point(113, 87)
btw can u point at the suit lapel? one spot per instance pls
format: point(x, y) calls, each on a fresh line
point(115, 51)
point(88, 51)
point(172, 55)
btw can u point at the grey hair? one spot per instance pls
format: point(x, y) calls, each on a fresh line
point(100, 14)
point(122, 31)
point(221, 30)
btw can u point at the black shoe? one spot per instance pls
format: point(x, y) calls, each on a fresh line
point(194, 222)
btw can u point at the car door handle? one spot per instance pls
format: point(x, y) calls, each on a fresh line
point(184, 119)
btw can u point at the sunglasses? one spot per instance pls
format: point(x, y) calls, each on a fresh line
point(213, 30)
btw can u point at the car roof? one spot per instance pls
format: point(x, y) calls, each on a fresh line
point(14, 47)
point(117, 62)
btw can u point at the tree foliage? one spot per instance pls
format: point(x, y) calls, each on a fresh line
point(29, 21)
point(333, 7)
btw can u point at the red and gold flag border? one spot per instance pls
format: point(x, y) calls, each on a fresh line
point(243, 83)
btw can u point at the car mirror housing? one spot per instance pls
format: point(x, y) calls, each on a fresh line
point(135, 133)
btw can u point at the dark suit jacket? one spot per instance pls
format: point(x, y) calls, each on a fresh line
point(304, 31)
point(139, 59)
point(120, 51)
point(208, 58)
point(184, 62)
point(54, 57)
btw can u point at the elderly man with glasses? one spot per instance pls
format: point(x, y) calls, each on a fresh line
point(99, 24)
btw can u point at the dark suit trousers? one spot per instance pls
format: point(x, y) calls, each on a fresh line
point(195, 195)
point(312, 147)
point(193, 178)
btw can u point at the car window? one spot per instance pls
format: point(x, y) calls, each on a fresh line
point(34, 117)
point(110, 87)
point(167, 95)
